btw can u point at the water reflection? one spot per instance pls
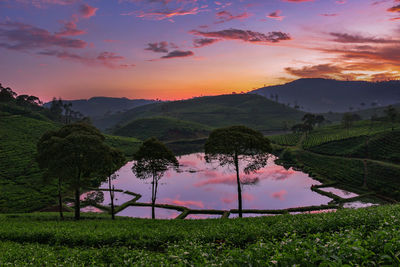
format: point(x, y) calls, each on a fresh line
point(339, 192)
point(199, 185)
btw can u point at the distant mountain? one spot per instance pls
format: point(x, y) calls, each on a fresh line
point(101, 106)
point(324, 95)
point(213, 111)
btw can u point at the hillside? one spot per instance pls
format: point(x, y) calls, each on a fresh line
point(100, 106)
point(163, 128)
point(359, 237)
point(363, 158)
point(214, 111)
point(323, 95)
point(21, 189)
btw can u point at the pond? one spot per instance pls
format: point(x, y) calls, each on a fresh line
point(199, 185)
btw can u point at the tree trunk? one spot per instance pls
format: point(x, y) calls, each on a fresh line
point(153, 200)
point(77, 197)
point(239, 188)
point(111, 197)
point(60, 200)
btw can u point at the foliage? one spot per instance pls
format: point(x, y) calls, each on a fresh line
point(368, 236)
point(76, 152)
point(238, 144)
point(391, 114)
point(152, 160)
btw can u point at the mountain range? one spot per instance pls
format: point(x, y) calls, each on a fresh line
point(324, 95)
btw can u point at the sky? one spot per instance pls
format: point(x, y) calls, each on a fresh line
point(177, 49)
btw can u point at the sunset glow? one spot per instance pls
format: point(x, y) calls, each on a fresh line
point(174, 49)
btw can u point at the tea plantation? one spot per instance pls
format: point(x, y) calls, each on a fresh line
point(369, 236)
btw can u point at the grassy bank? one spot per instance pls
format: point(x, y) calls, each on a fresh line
point(365, 236)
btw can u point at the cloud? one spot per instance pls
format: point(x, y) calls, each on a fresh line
point(315, 71)
point(329, 15)
point(164, 14)
point(70, 29)
point(107, 59)
point(44, 3)
point(297, 1)
point(276, 15)
point(353, 38)
point(225, 16)
point(87, 11)
point(245, 35)
point(160, 47)
point(20, 36)
point(204, 42)
point(177, 54)
point(394, 9)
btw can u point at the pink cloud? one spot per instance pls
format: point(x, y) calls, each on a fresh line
point(20, 36)
point(164, 14)
point(70, 29)
point(106, 59)
point(276, 15)
point(297, 1)
point(225, 16)
point(87, 11)
point(279, 195)
point(245, 36)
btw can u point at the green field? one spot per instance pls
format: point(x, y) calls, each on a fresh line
point(368, 236)
point(332, 133)
point(163, 128)
point(364, 158)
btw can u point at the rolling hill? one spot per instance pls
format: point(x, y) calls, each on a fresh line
point(164, 128)
point(324, 95)
point(213, 111)
point(99, 106)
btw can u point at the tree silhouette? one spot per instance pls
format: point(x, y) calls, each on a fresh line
point(153, 159)
point(347, 120)
point(391, 115)
point(73, 153)
point(112, 161)
point(235, 144)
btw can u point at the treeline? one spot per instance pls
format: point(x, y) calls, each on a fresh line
point(31, 105)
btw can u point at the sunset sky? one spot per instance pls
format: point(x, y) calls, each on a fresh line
point(174, 49)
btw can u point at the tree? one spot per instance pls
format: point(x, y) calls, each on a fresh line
point(72, 153)
point(112, 161)
point(319, 119)
point(235, 144)
point(347, 120)
point(6, 94)
point(391, 115)
point(153, 159)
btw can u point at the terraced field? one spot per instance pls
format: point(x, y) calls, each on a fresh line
point(361, 237)
point(21, 186)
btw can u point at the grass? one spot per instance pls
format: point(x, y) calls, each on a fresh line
point(164, 128)
point(128, 145)
point(21, 189)
point(368, 236)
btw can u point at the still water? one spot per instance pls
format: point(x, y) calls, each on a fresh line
point(199, 185)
